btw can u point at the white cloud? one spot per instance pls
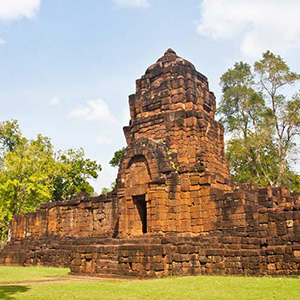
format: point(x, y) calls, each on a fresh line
point(55, 101)
point(15, 9)
point(2, 42)
point(261, 25)
point(104, 139)
point(94, 110)
point(132, 3)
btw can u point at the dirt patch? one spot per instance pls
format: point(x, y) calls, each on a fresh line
point(57, 280)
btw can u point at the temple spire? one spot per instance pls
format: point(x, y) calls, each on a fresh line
point(170, 51)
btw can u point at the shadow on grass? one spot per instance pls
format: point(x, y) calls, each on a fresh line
point(7, 292)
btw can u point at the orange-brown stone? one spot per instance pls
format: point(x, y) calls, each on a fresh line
point(174, 210)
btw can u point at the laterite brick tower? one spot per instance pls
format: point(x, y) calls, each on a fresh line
point(174, 210)
point(175, 152)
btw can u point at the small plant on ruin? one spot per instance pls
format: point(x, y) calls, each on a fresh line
point(116, 160)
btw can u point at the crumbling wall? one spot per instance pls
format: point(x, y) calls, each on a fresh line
point(80, 217)
point(257, 233)
point(174, 186)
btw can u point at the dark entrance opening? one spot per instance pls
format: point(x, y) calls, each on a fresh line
point(140, 203)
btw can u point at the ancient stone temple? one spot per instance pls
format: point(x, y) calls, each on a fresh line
point(175, 210)
point(175, 152)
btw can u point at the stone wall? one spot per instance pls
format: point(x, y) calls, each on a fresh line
point(257, 233)
point(80, 217)
point(174, 210)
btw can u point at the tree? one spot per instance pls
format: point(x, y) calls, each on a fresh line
point(106, 190)
point(10, 135)
point(274, 74)
point(261, 121)
point(116, 160)
point(26, 179)
point(74, 172)
point(32, 173)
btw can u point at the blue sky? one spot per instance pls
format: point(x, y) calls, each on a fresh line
point(67, 67)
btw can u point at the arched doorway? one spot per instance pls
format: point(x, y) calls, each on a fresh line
point(137, 180)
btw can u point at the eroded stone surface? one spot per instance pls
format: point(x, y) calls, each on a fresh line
point(175, 210)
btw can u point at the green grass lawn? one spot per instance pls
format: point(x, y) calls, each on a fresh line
point(198, 287)
point(21, 274)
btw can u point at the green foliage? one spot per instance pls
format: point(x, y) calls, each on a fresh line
point(74, 172)
point(10, 135)
point(106, 190)
point(32, 173)
point(261, 121)
point(171, 161)
point(116, 160)
point(241, 106)
point(25, 178)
